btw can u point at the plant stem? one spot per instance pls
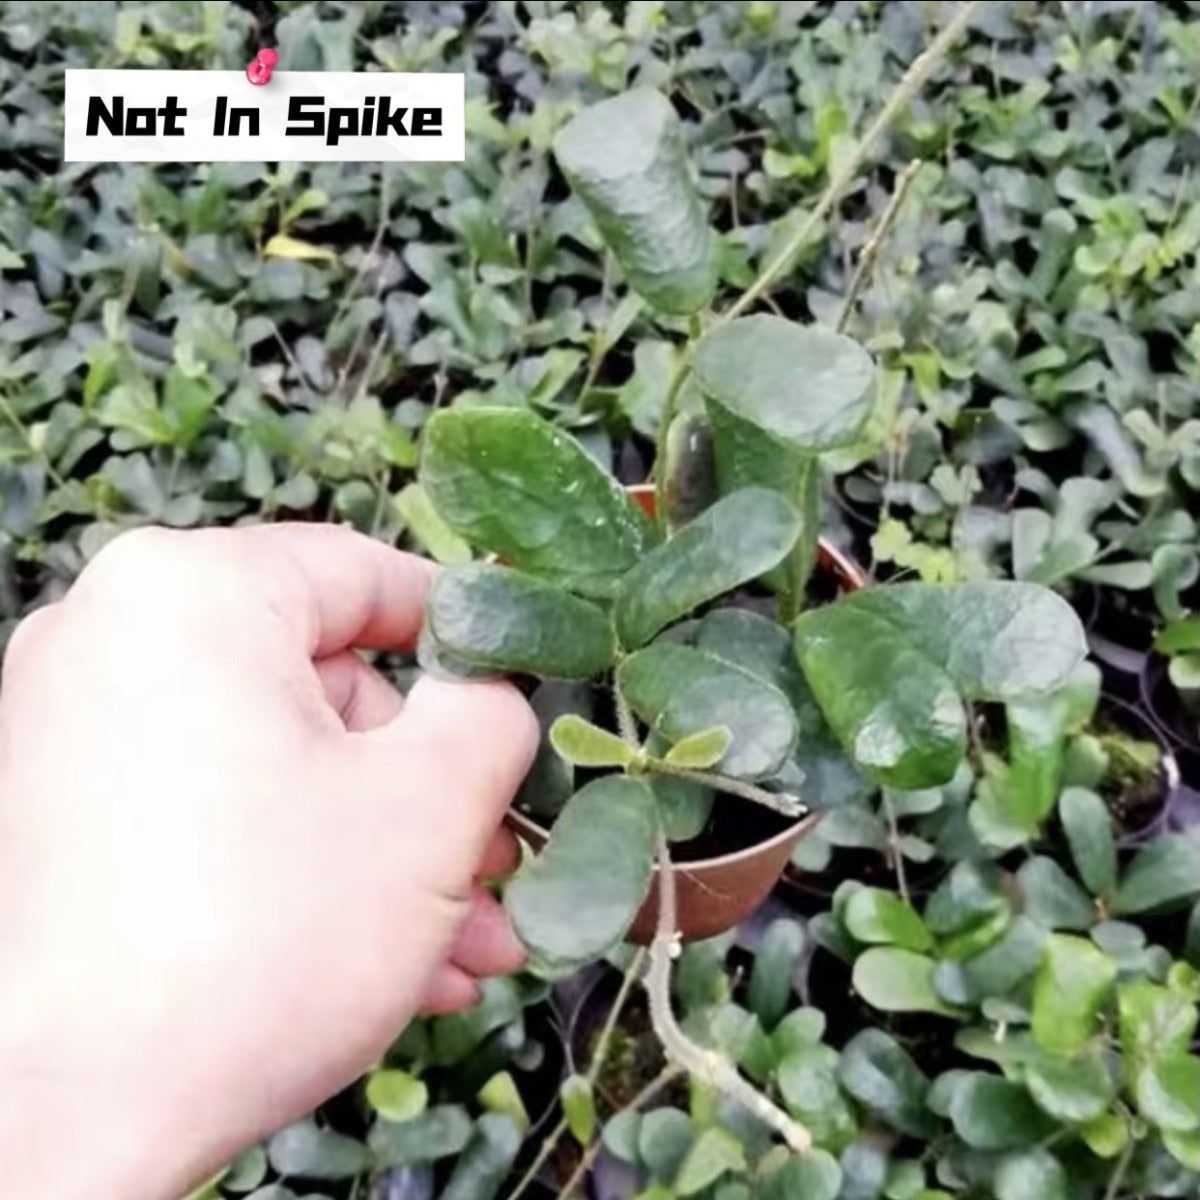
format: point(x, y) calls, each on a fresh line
point(870, 251)
point(614, 1015)
point(783, 803)
point(550, 1143)
point(705, 1064)
point(665, 1077)
point(660, 441)
point(918, 72)
point(1118, 1176)
point(38, 452)
point(626, 725)
point(894, 840)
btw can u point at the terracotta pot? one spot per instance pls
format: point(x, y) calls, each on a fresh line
point(714, 894)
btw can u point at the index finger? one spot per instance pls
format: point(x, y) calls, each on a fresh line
point(340, 589)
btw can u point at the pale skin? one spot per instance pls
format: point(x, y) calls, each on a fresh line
point(234, 861)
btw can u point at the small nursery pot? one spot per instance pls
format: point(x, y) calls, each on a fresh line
point(1170, 710)
point(714, 894)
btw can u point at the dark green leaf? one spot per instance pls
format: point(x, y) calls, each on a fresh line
point(996, 970)
point(734, 542)
point(1031, 1175)
point(576, 899)
point(1164, 874)
point(874, 916)
point(502, 619)
point(891, 666)
point(1072, 987)
point(312, 1153)
point(878, 1072)
point(680, 691)
point(664, 1139)
point(1072, 1089)
point(620, 1136)
point(625, 158)
point(971, 893)
point(813, 1176)
point(1052, 898)
point(1088, 827)
point(990, 1113)
point(485, 1163)
point(713, 1154)
point(801, 1027)
point(511, 483)
point(770, 989)
point(808, 1082)
point(802, 384)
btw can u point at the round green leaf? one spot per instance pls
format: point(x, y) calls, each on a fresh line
point(664, 1138)
point(994, 971)
point(511, 483)
point(735, 541)
point(807, 1079)
point(680, 691)
point(890, 666)
point(713, 1154)
point(502, 619)
point(872, 915)
point(439, 1132)
point(304, 1149)
point(1076, 1089)
point(1052, 898)
point(1168, 1092)
point(879, 1073)
point(1072, 986)
point(1165, 874)
point(486, 1161)
point(812, 1176)
point(990, 1113)
point(805, 385)
point(1031, 1175)
point(895, 980)
point(396, 1095)
point(574, 901)
point(1106, 1135)
point(625, 159)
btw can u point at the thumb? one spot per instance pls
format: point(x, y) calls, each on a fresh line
point(470, 744)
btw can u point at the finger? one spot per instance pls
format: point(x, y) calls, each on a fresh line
point(486, 943)
point(339, 588)
point(450, 990)
point(28, 636)
point(479, 740)
point(358, 693)
point(501, 856)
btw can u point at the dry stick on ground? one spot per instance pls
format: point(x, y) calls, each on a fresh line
point(707, 1065)
point(870, 251)
point(910, 83)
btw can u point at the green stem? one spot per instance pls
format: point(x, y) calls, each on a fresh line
point(918, 72)
point(870, 251)
point(894, 841)
point(1118, 1176)
point(626, 724)
point(664, 428)
point(783, 803)
point(36, 451)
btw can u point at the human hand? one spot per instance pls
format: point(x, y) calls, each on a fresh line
point(234, 861)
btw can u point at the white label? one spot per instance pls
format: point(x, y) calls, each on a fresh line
point(296, 116)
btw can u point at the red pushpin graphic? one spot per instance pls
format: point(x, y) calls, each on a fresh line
point(259, 71)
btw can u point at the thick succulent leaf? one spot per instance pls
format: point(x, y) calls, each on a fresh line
point(733, 542)
point(1071, 989)
point(1153, 1020)
point(1052, 898)
point(878, 1072)
point(573, 902)
point(714, 1153)
point(307, 1150)
point(684, 806)
point(891, 666)
point(819, 769)
point(511, 483)
point(769, 992)
point(875, 916)
point(1165, 874)
point(995, 970)
point(990, 1113)
point(803, 384)
point(505, 620)
point(1168, 1092)
point(625, 158)
point(895, 980)
point(816, 1175)
point(689, 472)
point(550, 782)
point(579, 1107)
point(587, 745)
point(1033, 1174)
point(486, 1161)
point(807, 1079)
point(700, 751)
point(1088, 825)
point(438, 1132)
point(1072, 1089)
point(680, 690)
